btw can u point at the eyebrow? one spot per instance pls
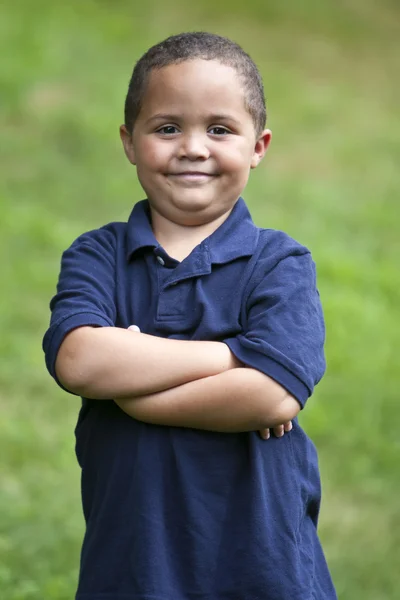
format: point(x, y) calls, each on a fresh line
point(214, 118)
point(222, 117)
point(163, 117)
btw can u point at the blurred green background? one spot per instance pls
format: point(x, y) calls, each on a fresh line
point(331, 180)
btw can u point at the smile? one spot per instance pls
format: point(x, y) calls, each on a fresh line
point(191, 176)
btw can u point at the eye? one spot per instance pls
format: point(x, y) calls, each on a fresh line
point(218, 130)
point(168, 130)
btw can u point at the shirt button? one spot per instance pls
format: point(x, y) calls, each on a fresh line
point(160, 260)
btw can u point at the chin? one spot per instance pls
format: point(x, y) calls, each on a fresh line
point(197, 218)
point(193, 203)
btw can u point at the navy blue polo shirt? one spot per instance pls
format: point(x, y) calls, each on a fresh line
point(183, 514)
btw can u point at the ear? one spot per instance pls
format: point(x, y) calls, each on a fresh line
point(261, 147)
point(127, 143)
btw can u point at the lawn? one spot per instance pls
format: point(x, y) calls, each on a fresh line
point(331, 180)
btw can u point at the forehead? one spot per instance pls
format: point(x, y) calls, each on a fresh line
point(195, 84)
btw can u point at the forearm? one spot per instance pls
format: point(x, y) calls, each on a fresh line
point(234, 401)
point(110, 362)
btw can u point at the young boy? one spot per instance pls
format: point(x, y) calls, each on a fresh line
point(183, 500)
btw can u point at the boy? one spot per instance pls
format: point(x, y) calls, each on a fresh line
point(182, 499)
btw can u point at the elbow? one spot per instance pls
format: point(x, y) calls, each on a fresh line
point(287, 409)
point(70, 367)
point(283, 409)
point(274, 402)
point(69, 374)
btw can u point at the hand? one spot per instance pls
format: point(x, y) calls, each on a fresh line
point(279, 430)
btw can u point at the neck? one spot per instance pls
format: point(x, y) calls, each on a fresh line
point(179, 240)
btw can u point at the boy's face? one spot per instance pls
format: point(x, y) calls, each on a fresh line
point(194, 142)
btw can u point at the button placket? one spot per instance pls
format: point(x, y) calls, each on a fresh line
point(177, 285)
point(171, 303)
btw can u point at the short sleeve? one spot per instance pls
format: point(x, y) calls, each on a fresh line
point(284, 332)
point(85, 291)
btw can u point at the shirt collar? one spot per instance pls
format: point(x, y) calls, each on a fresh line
point(235, 238)
point(140, 234)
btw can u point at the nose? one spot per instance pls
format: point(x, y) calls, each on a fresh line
point(194, 147)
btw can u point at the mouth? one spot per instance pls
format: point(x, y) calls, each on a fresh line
point(192, 176)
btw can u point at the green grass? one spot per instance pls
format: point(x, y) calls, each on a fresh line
point(330, 180)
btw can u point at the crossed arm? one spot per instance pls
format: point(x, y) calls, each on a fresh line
point(172, 382)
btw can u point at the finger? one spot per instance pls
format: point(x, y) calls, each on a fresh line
point(133, 328)
point(288, 426)
point(265, 434)
point(279, 430)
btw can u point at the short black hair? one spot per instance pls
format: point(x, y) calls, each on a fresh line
point(189, 46)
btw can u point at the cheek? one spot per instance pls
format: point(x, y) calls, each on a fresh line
point(236, 150)
point(153, 156)
point(236, 163)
